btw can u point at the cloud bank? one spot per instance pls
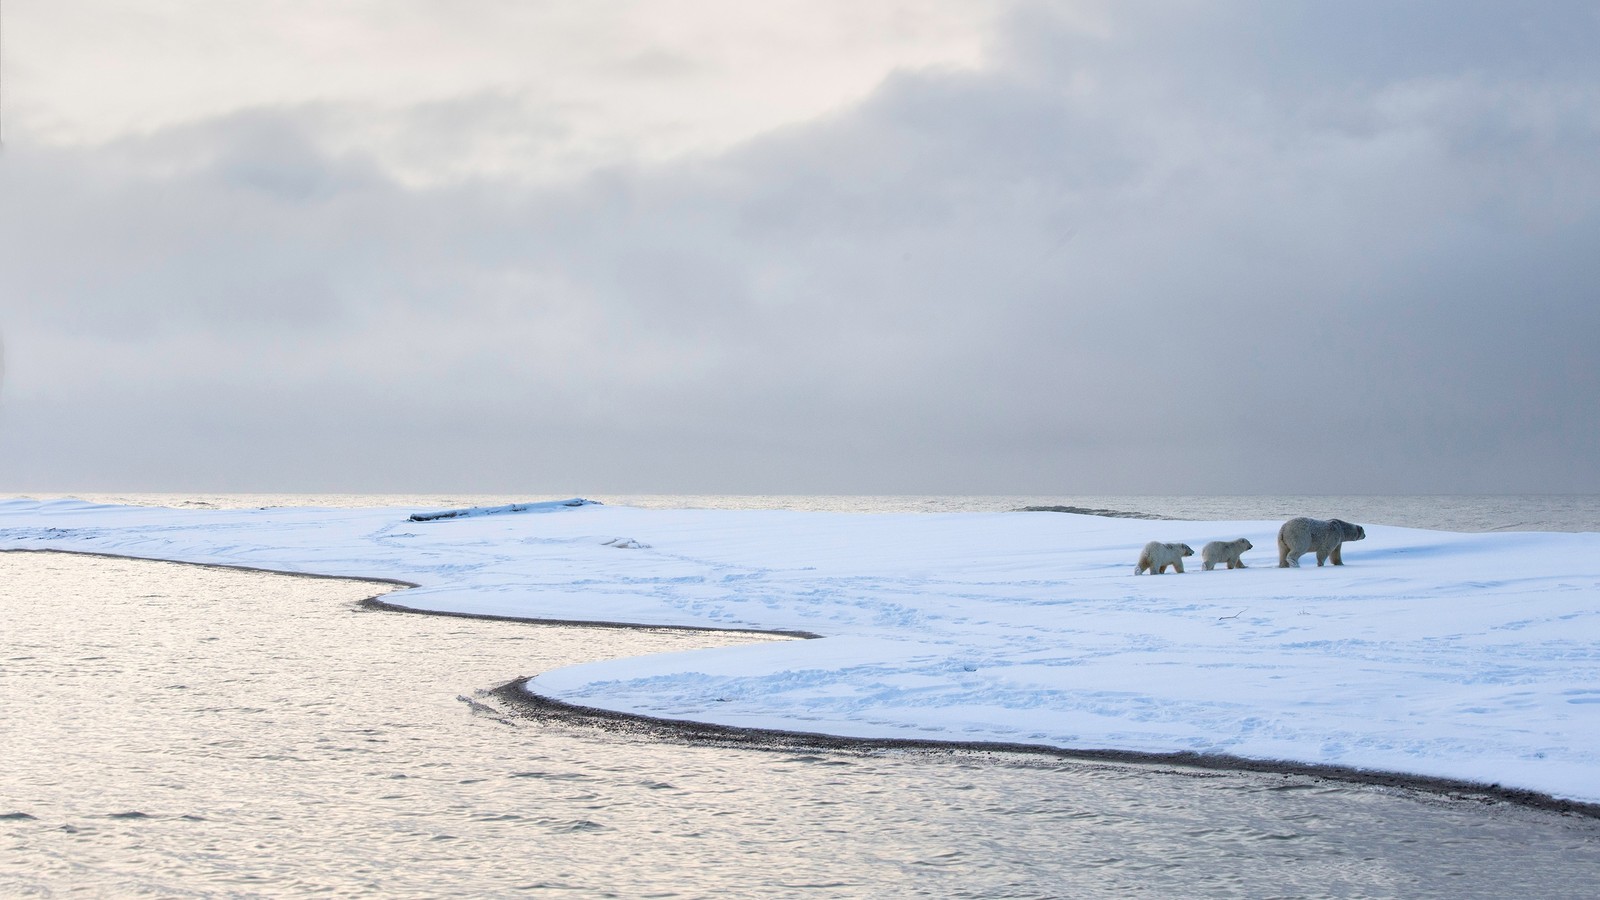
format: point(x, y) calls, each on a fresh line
point(1142, 247)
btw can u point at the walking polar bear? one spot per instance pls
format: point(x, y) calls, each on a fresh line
point(1156, 556)
point(1224, 552)
point(1302, 535)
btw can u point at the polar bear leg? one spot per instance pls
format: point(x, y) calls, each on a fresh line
point(1335, 557)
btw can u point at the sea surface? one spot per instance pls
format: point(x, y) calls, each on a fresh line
point(1486, 512)
point(172, 730)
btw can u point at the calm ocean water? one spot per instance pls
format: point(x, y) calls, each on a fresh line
point(180, 731)
point(1493, 512)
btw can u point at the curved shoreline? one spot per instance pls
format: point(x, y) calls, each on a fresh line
point(375, 579)
point(379, 603)
point(538, 707)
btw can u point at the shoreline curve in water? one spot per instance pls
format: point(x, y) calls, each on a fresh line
point(379, 603)
point(539, 707)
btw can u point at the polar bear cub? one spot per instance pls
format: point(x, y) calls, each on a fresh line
point(1156, 556)
point(1301, 535)
point(1224, 552)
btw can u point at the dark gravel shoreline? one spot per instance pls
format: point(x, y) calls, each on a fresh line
point(378, 603)
point(535, 707)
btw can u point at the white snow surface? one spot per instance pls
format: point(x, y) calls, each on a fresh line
point(1463, 656)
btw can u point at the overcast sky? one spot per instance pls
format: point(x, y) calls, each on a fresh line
point(797, 246)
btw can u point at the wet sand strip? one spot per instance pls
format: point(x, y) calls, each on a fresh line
point(536, 707)
point(380, 604)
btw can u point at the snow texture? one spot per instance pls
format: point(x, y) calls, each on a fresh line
point(1465, 656)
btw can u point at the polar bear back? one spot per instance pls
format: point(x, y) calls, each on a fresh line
point(1323, 537)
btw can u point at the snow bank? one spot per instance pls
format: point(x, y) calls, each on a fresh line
point(1467, 656)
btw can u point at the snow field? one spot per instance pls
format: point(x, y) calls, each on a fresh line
point(1469, 656)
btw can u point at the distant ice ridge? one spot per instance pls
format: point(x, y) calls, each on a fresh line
point(542, 507)
point(1088, 511)
point(1463, 656)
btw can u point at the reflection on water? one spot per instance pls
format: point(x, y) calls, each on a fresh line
point(179, 730)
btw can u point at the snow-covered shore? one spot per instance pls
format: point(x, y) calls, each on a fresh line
point(1461, 656)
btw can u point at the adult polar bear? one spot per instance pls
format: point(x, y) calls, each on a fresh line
point(1302, 535)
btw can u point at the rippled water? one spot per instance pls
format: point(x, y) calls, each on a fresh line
point(1534, 512)
point(179, 731)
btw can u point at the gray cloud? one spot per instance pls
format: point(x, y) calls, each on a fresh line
point(1200, 249)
